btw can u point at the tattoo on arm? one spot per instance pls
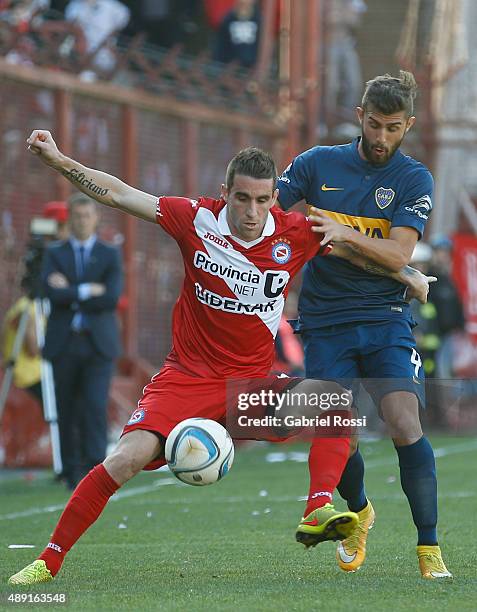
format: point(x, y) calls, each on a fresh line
point(374, 268)
point(355, 256)
point(75, 176)
point(403, 276)
point(356, 249)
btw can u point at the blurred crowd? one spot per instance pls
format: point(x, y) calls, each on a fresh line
point(226, 31)
point(127, 41)
point(229, 29)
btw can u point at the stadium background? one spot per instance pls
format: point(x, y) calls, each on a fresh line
point(167, 120)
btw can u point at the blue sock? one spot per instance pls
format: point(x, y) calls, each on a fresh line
point(351, 485)
point(419, 483)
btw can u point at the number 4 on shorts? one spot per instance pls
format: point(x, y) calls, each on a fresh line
point(416, 361)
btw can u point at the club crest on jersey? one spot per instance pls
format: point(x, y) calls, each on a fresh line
point(281, 251)
point(137, 416)
point(384, 197)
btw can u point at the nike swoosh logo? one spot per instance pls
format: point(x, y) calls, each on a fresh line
point(344, 555)
point(325, 188)
point(312, 523)
point(441, 574)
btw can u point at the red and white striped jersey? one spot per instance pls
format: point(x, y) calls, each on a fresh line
point(227, 315)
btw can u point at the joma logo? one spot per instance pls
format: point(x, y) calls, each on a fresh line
point(220, 241)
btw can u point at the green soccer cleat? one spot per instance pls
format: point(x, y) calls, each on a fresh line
point(351, 553)
point(324, 524)
point(431, 564)
point(34, 573)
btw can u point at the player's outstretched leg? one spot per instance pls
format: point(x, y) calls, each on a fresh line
point(321, 521)
point(135, 450)
point(325, 523)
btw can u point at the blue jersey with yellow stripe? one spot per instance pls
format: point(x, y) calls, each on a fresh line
point(370, 198)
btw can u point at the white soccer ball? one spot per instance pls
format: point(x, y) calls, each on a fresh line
point(199, 451)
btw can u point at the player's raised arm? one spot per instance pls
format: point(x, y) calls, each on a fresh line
point(104, 188)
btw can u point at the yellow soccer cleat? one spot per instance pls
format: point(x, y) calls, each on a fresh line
point(431, 564)
point(351, 552)
point(34, 573)
point(325, 523)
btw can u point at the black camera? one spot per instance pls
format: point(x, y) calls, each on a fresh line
point(42, 232)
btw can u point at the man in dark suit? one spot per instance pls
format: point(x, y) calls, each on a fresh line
point(82, 277)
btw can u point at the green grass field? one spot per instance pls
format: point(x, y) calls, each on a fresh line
point(231, 546)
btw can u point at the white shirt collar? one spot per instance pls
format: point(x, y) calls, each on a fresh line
point(268, 230)
point(87, 244)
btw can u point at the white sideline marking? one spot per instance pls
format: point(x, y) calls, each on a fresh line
point(116, 497)
point(144, 489)
point(438, 452)
point(301, 457)
point(31, 512)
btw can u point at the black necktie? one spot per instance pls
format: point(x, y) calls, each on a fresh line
point(81, 262)
point(82, 319)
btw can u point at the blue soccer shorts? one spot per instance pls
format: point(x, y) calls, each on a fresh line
point(382, 353)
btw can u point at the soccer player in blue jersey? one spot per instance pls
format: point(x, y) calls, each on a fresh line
point(374, 200)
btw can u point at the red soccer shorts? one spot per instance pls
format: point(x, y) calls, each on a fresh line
point(173, 396)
